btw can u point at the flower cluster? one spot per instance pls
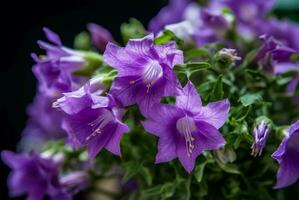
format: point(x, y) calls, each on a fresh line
point(182, 81)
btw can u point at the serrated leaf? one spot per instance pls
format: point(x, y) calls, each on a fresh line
point(249, 99)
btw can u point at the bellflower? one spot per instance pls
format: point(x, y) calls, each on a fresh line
point(54, 71)
point(145, 71)
point(188, 128)
point(260, 133)
point(172, 13)
point(87, 95)
point(34, 176)
point(44, 123)
point(287, 156)
point(99, 36)
point(95, 122)
point(248, 11)
point(284, 31)
point(275, 56)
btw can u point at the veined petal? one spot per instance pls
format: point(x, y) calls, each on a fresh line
point(209, 138)
point(214, 113)
point(189, 99)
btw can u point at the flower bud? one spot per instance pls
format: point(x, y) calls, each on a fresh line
point(261, 133)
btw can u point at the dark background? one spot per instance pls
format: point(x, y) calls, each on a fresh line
point(21, 26)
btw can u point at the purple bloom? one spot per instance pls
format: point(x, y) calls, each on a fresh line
point(145, 71)
point(54, 71)
point(99, 36)
point(34, 176)
point(284, 31)
point(248, 11)
point(95, 122)
point(172, 13)
point(287, 156)
point(188, 128)
point(275, 56)
point(260, 133)
point(43, 125)
point(86, 96)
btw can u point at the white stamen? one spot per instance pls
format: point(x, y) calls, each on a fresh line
point(186, 126)
point(97, 125)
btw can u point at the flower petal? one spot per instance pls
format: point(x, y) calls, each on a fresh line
point(209, 138)
point(166, 149)
point(113, 145)
point(214, 113)
point(52, 37)
point(189, 99)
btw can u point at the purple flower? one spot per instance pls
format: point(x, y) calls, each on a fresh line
point(34, 176)
point(99, 36)
point(145, 71)
point(43, 125)
point(275, 56)
point(54, 71)
point(188, 128)
point(86, 96)
point(95, 122)
point(287, 156)
point(260, 133)
point(172, 13)
point(248, 11)
point(284, 31)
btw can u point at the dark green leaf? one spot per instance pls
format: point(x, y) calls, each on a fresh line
point(249, 99)
point(218, 92)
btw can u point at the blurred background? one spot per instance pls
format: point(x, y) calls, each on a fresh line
point(21, 27)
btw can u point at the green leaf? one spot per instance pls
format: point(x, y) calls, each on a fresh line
point(133, 29)
point(218, 92)
point(197, 53)
point(189, 68)
point(167, 36)
point(249, 99)
point(199, 170)
point(295, 57)
point(145, 172)
point(229, 168)
point(132, 168)
point(163, 191)
point(82, 41)
point(168, 190)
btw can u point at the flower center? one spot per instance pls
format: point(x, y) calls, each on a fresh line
point(185, 127)
point(152, 72)
point(99, 124)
